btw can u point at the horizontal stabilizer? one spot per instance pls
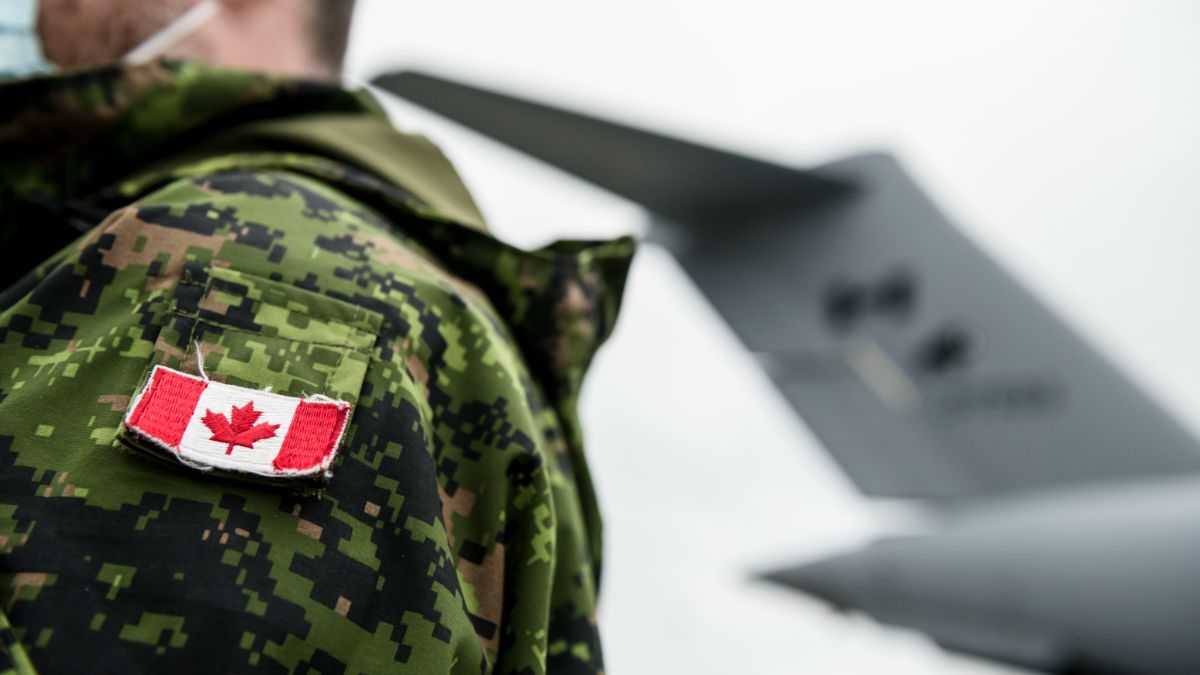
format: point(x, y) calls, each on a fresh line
point(682, 181)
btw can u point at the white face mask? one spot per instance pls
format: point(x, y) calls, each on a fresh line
point(21, 46)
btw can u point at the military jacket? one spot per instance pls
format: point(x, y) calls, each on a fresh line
point(274, 234)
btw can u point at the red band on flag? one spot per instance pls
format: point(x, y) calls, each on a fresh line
point(165, 409)
point(313, 436)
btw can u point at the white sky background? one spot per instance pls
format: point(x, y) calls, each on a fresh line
point(1062, 136)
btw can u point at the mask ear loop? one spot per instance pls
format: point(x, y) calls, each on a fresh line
point(174, 33)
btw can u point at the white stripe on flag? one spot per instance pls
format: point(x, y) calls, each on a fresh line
point(197, 444)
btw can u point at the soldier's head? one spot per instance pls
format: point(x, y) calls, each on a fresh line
point(300, 37)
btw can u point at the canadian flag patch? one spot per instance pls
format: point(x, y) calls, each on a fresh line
point(210, 425)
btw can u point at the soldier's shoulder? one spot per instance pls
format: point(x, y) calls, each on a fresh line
point(262, 199)
point(270, 221)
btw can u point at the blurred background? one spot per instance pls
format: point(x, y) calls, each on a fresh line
point(1060, 137)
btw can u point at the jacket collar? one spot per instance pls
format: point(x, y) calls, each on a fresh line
point(69, 134)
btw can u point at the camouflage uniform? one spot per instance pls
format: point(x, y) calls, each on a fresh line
point(286, 232)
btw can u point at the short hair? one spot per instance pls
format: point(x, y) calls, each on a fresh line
point(331, 31)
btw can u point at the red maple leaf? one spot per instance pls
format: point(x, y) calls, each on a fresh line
point(242, 430)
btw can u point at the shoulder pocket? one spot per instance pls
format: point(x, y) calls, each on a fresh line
point(245, 330)
point(257, 333)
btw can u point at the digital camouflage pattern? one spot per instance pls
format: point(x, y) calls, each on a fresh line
point(286, 232)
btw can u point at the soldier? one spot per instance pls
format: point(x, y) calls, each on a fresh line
point(271, 396)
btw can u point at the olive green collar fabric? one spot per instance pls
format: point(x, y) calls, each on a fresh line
point(364, 141)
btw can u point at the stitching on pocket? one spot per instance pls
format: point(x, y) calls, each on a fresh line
point(227, 327)
point(360, 315)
